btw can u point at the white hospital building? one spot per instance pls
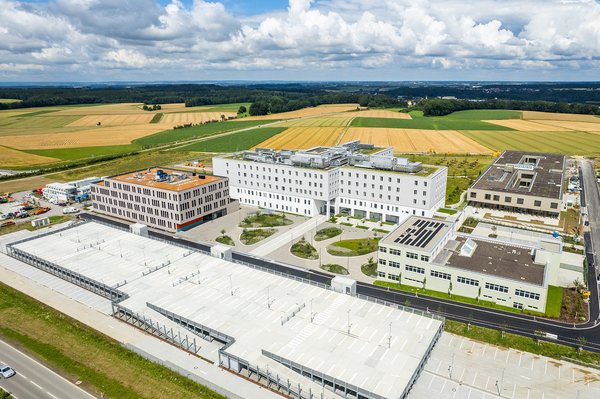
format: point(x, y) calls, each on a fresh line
point(353, 178)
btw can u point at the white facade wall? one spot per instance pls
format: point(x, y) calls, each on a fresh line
point(308, 191)
point(59, 191)
point(393, 267)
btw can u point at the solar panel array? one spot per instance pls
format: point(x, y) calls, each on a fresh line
point(420, 233)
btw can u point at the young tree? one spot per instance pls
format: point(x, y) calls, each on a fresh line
point(242, 110)
point(581, 341)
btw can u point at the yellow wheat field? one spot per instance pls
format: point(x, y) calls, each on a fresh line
point(304, 112)
point(105, 109)
point(329, 121)
point(193, 117)
point(417, 140)
point(111, 120)
point(572, 125)
point(303, 137)
point(376, 113)
point(534, 115)
point(99, 136)
point(528, 126)
point(12, 158)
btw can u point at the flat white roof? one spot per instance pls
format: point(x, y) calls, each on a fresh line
point(260, 310)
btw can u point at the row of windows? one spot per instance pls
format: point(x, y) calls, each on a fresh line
point(508, 200)
point(275, 170)
point(496, 287)
point(527, 294)
point(412, 255)
point(468, 281)
point(445, 276)
point(414, 269)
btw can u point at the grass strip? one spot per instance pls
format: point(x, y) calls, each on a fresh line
point(81, 353)
point(157, 117)
point(519, 342)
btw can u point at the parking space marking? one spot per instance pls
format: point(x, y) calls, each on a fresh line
point(546, 368)
point(520, 358)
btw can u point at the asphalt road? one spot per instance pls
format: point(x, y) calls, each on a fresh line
point(35, 381)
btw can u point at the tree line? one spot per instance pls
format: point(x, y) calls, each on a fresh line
point(440, 107)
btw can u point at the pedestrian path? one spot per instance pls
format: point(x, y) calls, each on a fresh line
point(283, 239)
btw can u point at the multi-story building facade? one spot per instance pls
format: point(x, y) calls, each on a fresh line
point(162, 198)
point(526, 182)
point(428, 253)
point(356, 179)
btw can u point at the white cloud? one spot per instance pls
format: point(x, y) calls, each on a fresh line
point(107, 35)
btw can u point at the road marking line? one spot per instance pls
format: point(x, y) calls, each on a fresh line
point(36, 385)
point(49, 394)
point(520, 358)
point(573, 376)
point(514, 390)
point(46, 368)
point(6, 390)
point(546, 368)
point(532, 363)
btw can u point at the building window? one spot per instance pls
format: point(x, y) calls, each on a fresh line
point(517, 305)
point(383, 249)
point(414, 269)
point(411, 255)
point(496, 287)
point(537, 203)
point(437, 274)
point(467, 281)
point(496, 198)
point(394, 264)
point(554, 205)
point(507, 199)
point(382, 262)
point(473, 194)
point(381, 274)
point(395, 252)
point(527, 294)
point(520, 201)
point(424, 258)
point(393, 277)
point(488, 196)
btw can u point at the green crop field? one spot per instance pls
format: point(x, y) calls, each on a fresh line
point(463, 120)
point(188, 133)
point(236, 141)
point(572, 143)
point(71, 154)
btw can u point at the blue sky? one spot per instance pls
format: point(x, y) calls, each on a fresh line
point(148, 40)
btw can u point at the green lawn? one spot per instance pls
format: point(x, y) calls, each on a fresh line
point(334, 268)
point(72, 154)
point(188, 133)
point(235, 142)
point(554, 301)
point(463, 120)
point(455, 187)
point(326, 233)
point(572, 143)
point(80, 353)
point(303, 249)
point(521, 343)
point(26, 225)
point(355, 247)
point(266, 220)
point(458, 165)
point(125, 164)
point(225, 239)
point(456, 298)
point(249, 237)
point(447, 211)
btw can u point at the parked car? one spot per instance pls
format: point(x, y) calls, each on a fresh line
point(6, 371)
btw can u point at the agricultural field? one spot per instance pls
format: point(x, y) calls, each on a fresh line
point(16, 159)
point(87, 137)
point(9, 100)
point(304, 137)
point(572, 125)
point(417, 140)
point(526, 126)
point(378, 113)
point(236, 141)
point(559, 117)
point(574, 143)
point(337, 120)
point(48, 135)
point(181, 118)
point(306, 112)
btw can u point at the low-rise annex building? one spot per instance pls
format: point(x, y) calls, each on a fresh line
point(70, 190)
point(526, 182)
point(162, 198)
point(353, 178)
point(430, 254)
